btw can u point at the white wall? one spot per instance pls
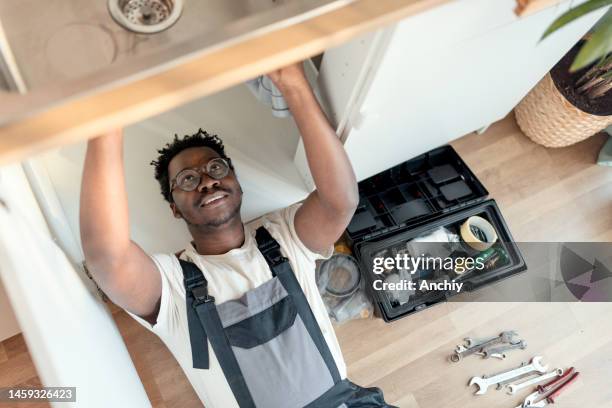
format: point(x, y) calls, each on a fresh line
point(261, 147)
point(443, 73)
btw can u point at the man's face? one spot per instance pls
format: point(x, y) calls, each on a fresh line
point(192, 206)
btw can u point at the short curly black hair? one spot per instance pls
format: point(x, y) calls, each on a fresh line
point(199, 139)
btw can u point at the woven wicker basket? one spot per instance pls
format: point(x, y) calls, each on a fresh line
point(547, 118)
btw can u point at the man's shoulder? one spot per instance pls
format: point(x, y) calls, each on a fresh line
point(280, 224)
point(278, 217)
point(169, 265)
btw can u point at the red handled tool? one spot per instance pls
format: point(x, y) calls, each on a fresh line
point(552, 384)
point(551, 397)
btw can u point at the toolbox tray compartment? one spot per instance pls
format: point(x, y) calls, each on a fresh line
point(413, 192)
point(366, 251)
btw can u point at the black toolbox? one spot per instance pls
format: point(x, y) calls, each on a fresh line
point(433, 193)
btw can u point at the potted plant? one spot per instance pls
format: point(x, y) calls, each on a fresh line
point(574, 100)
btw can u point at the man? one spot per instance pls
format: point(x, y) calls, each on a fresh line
point(198, 181)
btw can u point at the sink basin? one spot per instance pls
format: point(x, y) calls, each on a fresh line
point(76, 46)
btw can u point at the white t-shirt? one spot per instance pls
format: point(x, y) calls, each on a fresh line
point(229, 276)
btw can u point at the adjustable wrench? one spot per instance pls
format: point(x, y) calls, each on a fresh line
point(460, 352)
point(513, 388)
point(484, 382)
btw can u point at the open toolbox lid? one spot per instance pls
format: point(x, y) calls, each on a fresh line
point(412, 193)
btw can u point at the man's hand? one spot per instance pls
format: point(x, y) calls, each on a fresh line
point(289, 77)
point(324, 215)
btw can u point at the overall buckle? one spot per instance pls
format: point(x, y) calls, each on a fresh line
point(274, 256)
point(200, 295)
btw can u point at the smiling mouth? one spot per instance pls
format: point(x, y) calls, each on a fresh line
point(213, 200)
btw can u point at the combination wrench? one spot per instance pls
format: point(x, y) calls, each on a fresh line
point(484, 382)
point(520, 377)
point(493, 352)
point(513, 388)
point(460, 352)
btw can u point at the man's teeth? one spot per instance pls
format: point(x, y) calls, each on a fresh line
point(213, 199)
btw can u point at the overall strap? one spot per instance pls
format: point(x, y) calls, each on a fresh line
point(196, 292)
point(281, 268)
point(204, 325)
point(269, 248)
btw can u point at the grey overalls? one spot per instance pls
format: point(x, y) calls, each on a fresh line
point(268, 342)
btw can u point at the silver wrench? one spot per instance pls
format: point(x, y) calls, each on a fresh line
point(500, 350)
point(484, 382)
point(489, 354)
point(513, 388)
point(501, 356)
point(529, 401)
point(470, 342)
point(504, 383)
point(460, 352)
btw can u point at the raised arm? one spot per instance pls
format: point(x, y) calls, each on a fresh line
point(120, 267)
point(326, 212)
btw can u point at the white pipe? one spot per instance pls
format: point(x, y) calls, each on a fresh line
point(71, 336)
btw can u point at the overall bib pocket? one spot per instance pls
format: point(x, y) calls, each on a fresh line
point(273, 348)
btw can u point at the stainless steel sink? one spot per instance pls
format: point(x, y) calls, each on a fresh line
point(64, 47)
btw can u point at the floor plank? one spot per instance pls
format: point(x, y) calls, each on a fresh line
point(3, 355)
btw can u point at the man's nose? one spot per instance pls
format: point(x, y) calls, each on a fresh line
point(207, 183)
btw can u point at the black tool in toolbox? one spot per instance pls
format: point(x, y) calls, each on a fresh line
point(430, 193)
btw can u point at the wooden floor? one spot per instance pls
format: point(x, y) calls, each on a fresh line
point(556, 195)
point(545, 195)
point(17, 369)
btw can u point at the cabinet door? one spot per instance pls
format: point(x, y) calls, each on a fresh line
point(440, 75)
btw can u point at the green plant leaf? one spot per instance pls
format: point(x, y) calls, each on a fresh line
point(575, 13)
point(604, 61)
point(598, 46)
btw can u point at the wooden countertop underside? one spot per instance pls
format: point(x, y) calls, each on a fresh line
point(87, 116)
point(83, 116)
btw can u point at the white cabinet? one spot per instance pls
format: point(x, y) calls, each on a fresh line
point(436, 76)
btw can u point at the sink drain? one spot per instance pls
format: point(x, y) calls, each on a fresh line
point(145, 16)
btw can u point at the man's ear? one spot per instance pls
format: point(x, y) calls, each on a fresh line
point(175, 211)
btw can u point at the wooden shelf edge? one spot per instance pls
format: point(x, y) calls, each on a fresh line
point(91, 115)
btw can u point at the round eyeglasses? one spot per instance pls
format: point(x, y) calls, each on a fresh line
point(189, 179)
